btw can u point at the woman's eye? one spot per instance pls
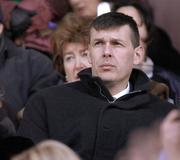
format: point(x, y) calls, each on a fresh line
point(68, 58)
point(84, 54)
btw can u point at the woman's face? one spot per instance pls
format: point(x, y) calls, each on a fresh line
point(75, 58)
point(133, 12)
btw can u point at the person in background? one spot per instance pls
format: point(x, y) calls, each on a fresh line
point(161, 141)
point(70, 45)
point(48, 150)
point(146, 29)
point(22, 72)
point(83, 8)
point(19, 23)
point(32, 18)
point(170, 136)
point(94, 116)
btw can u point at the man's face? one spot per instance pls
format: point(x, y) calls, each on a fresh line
point(84, 7)
point(112, 54)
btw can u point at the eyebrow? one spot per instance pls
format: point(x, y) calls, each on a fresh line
point(112, 39)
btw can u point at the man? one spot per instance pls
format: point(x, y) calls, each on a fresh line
point(22, 72)
point(94, 116)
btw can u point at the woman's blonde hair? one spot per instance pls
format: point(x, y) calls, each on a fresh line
point(48, 150)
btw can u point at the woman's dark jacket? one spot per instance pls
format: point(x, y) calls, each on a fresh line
point(22, 73)
point(84, 115)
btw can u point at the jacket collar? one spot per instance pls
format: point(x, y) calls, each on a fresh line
point(139, 83)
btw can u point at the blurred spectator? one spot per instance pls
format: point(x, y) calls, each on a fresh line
point(22, 72)
point(20, 21)
point(45, 18)
point(146, 30)
point(143, 144)
point(170, 136)
point(159, 142)
point(162, 51)
point(59, 8)
point(70, 41)
point(165, 16)
point(84, 8)
point(48, 150)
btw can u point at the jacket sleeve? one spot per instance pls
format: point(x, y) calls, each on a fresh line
point(42, 72)
point(34, 122)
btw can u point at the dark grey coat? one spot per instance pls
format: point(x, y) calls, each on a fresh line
point(22, 73)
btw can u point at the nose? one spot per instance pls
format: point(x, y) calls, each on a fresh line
point(79, 64)
point(107, 51)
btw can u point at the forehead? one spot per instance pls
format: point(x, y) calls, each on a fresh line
point(119, 33)
point(73, 46)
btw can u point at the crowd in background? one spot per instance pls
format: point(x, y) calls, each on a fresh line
point(45, 43)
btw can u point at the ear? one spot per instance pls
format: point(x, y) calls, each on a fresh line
point(139, 55)
point(1, 28)
point(89, 56)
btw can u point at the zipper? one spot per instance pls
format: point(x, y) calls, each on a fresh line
point(111, 102)
point(101, 93)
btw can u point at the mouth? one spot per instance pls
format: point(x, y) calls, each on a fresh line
point(106, 67)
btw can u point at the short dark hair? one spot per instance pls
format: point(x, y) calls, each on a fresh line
point(113, 20)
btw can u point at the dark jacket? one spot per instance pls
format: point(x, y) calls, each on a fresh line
point(84, 116)
point(22, 73)
point(8, 121)
point(171, 80)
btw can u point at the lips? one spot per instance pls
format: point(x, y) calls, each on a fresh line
point(106, 67)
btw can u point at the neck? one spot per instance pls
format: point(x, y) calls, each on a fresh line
point(115, 88)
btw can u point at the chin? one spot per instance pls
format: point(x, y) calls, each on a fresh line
point(107, 78)
point(105, 75)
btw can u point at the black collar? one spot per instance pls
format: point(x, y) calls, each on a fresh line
point(139, 83)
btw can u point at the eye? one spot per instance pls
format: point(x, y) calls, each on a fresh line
point(98, 43)
point(85, 54)
point(68, 58)
point(116, 43)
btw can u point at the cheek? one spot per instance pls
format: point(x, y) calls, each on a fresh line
point(68, 68)
point(87, 63)
point(94, 59)
point(125, 60)
point(143, 33)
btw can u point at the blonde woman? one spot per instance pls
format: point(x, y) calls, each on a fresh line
point(48, 150)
